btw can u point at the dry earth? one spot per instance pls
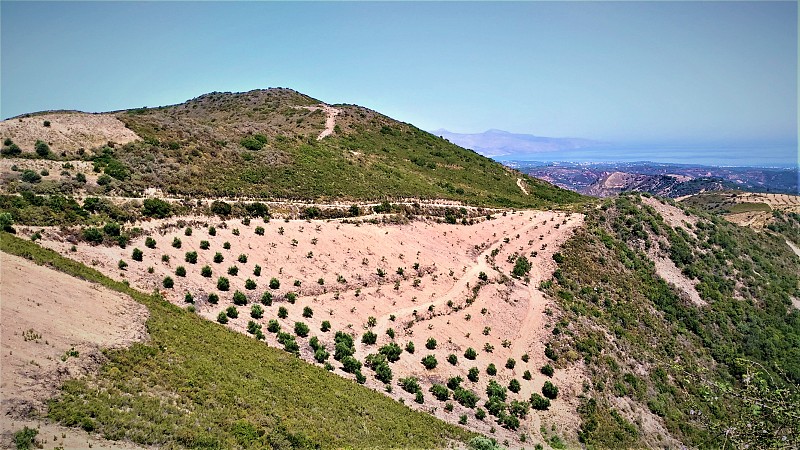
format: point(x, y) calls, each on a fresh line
point(68, 131)
point(440, 265)
point(45, 315)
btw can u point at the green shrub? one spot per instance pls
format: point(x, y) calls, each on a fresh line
point(452, 359)
point(259, 231)
point(233, 271)
point(440, 392)
point(510, 363)
point(550, 390)
point(218, 258)
point(538, 402)
point(150, 242)
point(391, 351)
point(168, 282)
point(301, 329)
point(176, 242)
point(212, 231)
point(547, 369)
point(205, 245)
point(213, 298)
point(188, 298)
point(226, 245)
point(249, 284)
point(473, 374)
point(180, 271)
point(527, 375)
point(283, 313)
point(429, 362)
point(220, 208)
point(410, 347)
point(257, 271)
point(191, 257)
point(206, 271)
point(470, 353)
point(137, 255)
point(254, 142)
point(223, 284)
point(514, 386)
point(42, 149)
point(369, 338)
point(25, 438)
point(239, 299)
point(266, 299)
point(480, 414)
point(465, 397)
point(495, 390)
point(410, 385)
point(232, 312)
point(350, 364)
point(242, 258)
point(521, 267)
point(157, 208)
point(273, 326)
point(454, 382)
point(308, 312)
point(325, 326)
point(491, 369)
point(430, 344)
point(122, 265)
point(274, 283)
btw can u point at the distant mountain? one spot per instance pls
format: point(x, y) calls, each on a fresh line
point(501, 144)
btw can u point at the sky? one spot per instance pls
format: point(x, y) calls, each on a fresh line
point(633, 73)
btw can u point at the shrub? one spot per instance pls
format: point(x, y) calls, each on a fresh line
point(452, 359)
point(191, 257)
point(410, 347)
point(266, 299)
point(462, 419)
point(326, 326)
point(369, 338)
point(259, 231)
point(112, 229)
point(92, 234)
point(454, 382)
point(168, 282)
point(42, 149)
point(291, 297)
point(187, 231)
point(419, 398)
point(383, 372)
point(188, 298)
point(465, 397)
point(527, 375)
point(550, 390)
point(232, 312)
point(122, 265)
point(30, 176)
point(180, 271)
point(242, 258)
point(320, 355)
point(220, 208)
point(510, 363)
point(273, 326)
point(480, 414)
point(233, 271)
point(525, 357)
point(155, 207)
point(491, 369)
point(150, 242)
point(249, 284)
point(205, 245)
point(495, 390)
point(308, 312)
point(274, 283)
point(165, 258)
point(206, 271)
point(521, 267)
point(547, 369)
point(254, 142)
point(514, 386)
point(222, 317)
point(350, 364)
point(257, 271)
point(410, 385)
point(137, 254)
point(472, 375)
point(301, 329)
point(226, 245)
point(391, 351)
point(176, 242)
point(213, 298)
point(440, 392)
point(239, 298)
point(371, 321)
point(283, 312)
point(538, 402)
point(470, 353)
point(212, 231)
point(430, 344)
point(218, 258)
point(390, 333)
point(223, 284)
point(429, 362)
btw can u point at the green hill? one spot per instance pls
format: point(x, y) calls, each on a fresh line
point(264, 143)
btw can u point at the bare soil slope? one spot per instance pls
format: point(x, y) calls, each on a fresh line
point(53, 327)
point(67, 132)
point(422, 280)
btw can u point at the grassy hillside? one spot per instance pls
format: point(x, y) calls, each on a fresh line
point(197, 384)
point(728, 370)
point(264, 144)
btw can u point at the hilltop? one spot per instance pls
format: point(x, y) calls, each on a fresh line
point(273, 143)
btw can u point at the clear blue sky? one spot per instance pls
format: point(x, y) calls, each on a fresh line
point(612, 71)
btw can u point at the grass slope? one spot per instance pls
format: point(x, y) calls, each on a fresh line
point(198, 384)
point(198, 149)
point(643, 343)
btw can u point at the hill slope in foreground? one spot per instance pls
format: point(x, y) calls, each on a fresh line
point(274, 143)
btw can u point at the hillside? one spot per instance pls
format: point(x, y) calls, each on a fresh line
point(274, 143)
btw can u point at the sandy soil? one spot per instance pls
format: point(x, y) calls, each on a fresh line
point(330, 118)
point(667, 270)
point(674, 216)
point(521, 185)
point(46, 314)
point(55, 168)
point(68, 131)
point(429, 301)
